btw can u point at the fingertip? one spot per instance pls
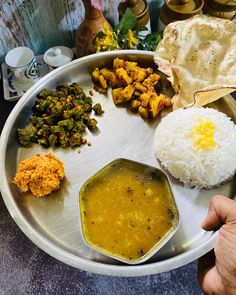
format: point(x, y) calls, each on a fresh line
point(220, 210)
point(202, 224)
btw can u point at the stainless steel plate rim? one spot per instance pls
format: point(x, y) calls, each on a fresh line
point(101, 268)
point(61, 254)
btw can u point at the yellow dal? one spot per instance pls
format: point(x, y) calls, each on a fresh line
point(127, 209)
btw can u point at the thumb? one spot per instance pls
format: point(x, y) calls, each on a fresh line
point(221, 210)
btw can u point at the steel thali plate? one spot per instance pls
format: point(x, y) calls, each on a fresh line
point(52, 223)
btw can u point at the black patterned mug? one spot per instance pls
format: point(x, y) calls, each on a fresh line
point(22, 62)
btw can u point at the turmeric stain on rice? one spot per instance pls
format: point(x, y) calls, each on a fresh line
point(202, 135)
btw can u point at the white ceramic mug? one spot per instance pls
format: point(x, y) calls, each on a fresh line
point(22, 62)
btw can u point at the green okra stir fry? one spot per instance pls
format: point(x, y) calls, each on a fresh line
point(60, 117)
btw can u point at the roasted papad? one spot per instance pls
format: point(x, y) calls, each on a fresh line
point(199, 57)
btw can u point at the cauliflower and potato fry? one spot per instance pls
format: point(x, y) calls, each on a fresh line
point(134, 85)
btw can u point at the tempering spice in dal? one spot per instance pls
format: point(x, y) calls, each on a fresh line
point(126, 209)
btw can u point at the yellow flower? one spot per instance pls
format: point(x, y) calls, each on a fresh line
point(107, 41)
point(131, 39)
point(106, 28)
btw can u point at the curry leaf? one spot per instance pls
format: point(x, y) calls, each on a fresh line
point(150, 42)
point(99, 35)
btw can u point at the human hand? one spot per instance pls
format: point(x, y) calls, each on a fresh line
point(217, 270)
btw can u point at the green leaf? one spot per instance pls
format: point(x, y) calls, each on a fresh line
point(99, 35)
point(128, 21)
point(150, 42)
point(140, 28)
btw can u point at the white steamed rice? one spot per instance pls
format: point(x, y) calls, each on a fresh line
point(175, 150)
